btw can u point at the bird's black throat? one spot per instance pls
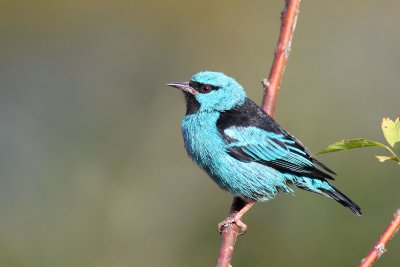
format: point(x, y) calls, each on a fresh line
point(192, 105)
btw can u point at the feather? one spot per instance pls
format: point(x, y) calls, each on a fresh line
point(259, 132)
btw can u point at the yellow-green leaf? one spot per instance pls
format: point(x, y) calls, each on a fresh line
point(384, 158)
point(391, 131)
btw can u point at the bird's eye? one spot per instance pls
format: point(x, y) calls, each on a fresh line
point(205, 88)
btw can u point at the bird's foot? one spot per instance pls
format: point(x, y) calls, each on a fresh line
point(233, 219)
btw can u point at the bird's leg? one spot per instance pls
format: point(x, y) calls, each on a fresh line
point(238, 209)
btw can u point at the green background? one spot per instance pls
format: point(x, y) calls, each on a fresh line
point(92, 166)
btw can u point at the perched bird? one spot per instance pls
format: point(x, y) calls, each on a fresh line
point(243, 149)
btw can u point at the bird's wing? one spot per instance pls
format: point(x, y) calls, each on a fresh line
point(252, 135)
point(271, 149)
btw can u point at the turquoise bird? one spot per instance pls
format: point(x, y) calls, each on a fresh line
point(243, 149)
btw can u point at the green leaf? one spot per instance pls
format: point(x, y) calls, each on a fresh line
point(350, 144)
point(359, 143)
point(391, 131)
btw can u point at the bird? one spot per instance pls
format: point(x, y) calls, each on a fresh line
point(244, 150)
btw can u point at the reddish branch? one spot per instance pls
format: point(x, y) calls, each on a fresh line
point(380, 246)
point(228, 236)
point(288, 23)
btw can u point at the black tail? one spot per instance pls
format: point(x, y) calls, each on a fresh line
point(342, 199)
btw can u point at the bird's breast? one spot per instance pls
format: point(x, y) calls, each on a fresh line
point(201, 137)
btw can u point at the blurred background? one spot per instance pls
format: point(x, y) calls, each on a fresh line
point(92, 166)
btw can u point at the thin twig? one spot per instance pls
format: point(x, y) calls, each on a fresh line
point(288, 23)
point(380, 246)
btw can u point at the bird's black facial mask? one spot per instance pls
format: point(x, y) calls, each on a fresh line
point(203, 88)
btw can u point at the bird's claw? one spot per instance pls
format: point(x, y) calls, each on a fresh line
point(233, 220)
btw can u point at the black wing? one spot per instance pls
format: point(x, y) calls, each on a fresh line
point(251, 115)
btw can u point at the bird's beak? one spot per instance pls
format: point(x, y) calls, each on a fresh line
point(184, 86)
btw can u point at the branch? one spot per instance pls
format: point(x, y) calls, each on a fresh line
point(228, 236)
point(288, 23)
point(380, 246)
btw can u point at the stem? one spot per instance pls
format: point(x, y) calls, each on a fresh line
point(288, 24)
point(380, 246)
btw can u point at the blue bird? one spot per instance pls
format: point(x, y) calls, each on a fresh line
point(243, 149)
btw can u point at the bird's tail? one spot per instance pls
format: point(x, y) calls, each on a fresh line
point(321, 186)
point(342, 199)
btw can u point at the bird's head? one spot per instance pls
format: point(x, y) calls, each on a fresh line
point(209, 91)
